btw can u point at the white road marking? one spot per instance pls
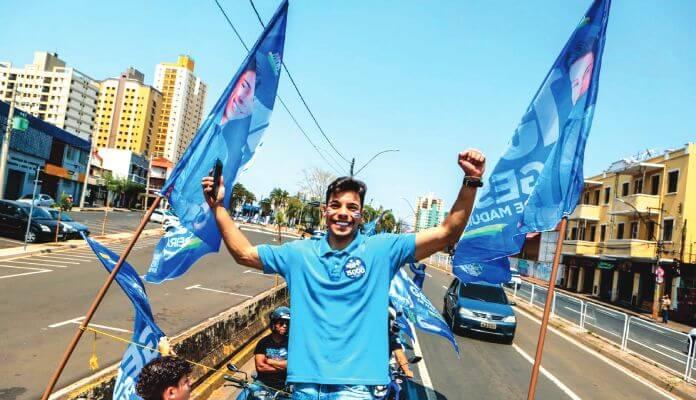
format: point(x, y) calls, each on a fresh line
point(444, 287)
point(80, 257)
point(39, 264)
point(11, 241)
point(428, 275)
point(55, 259)
point(422, 368)
point(33, 271)
point(78, 320)
point(601, 357)
point(547, 374)
point(258, 273)
point(217, 291)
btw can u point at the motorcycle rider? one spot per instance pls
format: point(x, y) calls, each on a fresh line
point(271, 353)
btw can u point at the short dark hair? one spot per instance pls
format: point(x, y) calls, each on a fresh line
point(344, 184)
point(159, 374)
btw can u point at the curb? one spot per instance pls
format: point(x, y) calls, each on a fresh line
point(78, 243)
point(670, 383)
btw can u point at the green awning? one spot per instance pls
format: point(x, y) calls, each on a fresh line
point(605, 265)
point(20, 123)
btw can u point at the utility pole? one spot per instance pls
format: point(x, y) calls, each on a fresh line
point(147, 183)
point(352, 165)
point(6, 146)
point(85, 183)
point(31, 207)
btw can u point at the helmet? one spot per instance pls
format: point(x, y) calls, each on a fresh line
point(280, 313)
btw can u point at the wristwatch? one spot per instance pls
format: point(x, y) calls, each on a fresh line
point(472, 182)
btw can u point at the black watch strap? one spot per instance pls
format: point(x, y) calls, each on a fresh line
point(472, 182)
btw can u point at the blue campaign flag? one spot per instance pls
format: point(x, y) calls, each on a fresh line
point(416, 308)
point(175, 253)
point(539, 178)
point(231, 132)
point(418, 273)
point(145, 331)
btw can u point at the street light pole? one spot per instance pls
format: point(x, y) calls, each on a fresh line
point(31, 208)
point(352, 164)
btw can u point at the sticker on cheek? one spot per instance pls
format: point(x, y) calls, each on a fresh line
point(357, 215)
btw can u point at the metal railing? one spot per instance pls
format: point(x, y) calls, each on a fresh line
point(673, 350)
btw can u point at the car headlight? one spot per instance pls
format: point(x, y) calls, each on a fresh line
point(509, 318)
point(45, 228)
point(465, 313)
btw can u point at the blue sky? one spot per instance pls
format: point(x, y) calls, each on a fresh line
point(428, 78)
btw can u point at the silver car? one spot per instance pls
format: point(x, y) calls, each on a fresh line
point(41, 200)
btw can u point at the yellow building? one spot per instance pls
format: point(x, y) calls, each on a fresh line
point(128, 112)
point(182, 110)
point(633, 219)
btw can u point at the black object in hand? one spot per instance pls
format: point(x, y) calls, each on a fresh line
point(217, 172)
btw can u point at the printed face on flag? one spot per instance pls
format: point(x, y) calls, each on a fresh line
point(580, 74)
point(241, 101)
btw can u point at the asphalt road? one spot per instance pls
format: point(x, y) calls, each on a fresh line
point(652, 341)
point(489, 369)
point(44, 296)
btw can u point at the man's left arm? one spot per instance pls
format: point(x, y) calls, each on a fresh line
point(429, 241)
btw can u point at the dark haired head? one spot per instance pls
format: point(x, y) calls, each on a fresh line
point(347, 184)
point(578, 50)
point(160, 374)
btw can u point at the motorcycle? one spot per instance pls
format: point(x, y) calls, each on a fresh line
point(254, 390)
point(395, 389)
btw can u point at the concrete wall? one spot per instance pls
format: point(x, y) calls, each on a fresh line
point(210, 343)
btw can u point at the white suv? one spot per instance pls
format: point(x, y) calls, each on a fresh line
point(161, 216)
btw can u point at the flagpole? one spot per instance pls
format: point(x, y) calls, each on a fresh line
point(97, 301)
point(547, 310)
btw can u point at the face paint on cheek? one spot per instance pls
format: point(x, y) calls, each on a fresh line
point(357, 215)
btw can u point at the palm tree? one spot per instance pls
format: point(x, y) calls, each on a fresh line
point(388, 223)
point(265, 207)
point(238, 194)
point(278, 198)
point(293, 208)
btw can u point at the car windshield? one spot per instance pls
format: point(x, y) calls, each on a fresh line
point(26, 196)
point(63, 216)
point(39, 213)
point(487, 293)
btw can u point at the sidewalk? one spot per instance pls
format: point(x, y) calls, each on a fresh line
point(677, 326)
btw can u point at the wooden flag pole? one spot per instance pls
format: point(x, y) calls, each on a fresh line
point(97, 301)
point(547, 310)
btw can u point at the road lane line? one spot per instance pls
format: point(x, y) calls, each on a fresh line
point(39, 264)
point(78, 320)
point(601, 357)
point(444, 287)
point(33, 271)
point(218, 291)
point(565, 389)
point(422, 368)
point(55, 259)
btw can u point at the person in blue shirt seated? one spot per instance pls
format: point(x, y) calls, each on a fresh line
point(339, 285)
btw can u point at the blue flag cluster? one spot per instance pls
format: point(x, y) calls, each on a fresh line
point(145, 331)
point(539, 178)
point(231, 133)
point(417, 309)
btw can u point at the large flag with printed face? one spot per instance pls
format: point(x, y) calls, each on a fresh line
point(231, 133)
point(145, 331)
point(416, 308)
point(539, 178)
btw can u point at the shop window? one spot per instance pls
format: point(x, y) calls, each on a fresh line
point(667, 227)
point(620, 230)
point(672, 180)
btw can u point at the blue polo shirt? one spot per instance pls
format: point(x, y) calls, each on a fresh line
point(338, 301)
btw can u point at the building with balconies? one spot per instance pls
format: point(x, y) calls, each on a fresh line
point(637, 216)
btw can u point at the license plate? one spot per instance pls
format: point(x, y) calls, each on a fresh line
point(488, 325)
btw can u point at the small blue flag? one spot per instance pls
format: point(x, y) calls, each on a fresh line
point(145, 331)
point(231, 133)
point(418, 273)
point(539, 178)
point(175, 253)
point(416, 308)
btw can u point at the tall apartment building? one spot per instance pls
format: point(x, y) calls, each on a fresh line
point(47, 89)
point(635, 227)
point(428, 212)
point(182, 107)
point(128, 112)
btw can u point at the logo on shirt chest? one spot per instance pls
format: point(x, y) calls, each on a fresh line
point(354, 268)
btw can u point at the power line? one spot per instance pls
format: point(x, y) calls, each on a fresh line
point(297, 89)
point(277, 96)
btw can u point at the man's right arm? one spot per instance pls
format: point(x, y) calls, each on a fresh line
point(237, 244)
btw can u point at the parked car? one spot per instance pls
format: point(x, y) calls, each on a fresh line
point(72, 227)
point(14, 216)
point(41, 200)
point(170, 223)
point(160, 216)
point(480, 307)
point(515, 279)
